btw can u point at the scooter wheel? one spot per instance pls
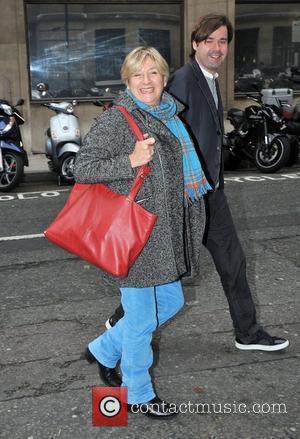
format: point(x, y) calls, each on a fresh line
point(13, 169)
point(67, 163)
point(275, 157)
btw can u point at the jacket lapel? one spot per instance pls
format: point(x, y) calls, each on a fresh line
point(204, 87)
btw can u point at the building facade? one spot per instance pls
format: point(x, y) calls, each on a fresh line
point(77, 47)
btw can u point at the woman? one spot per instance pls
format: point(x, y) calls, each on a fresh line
point(152, 292)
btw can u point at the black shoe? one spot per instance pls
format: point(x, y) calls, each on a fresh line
point(107, 374)
point(155, 408)
point(111, 321)
point(118, 314)
point(263, 342)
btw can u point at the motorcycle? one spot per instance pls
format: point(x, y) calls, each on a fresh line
point(13, 157)
point(63, 138)
point(258, 135)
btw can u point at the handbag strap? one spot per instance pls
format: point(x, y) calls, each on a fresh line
point(144, 170)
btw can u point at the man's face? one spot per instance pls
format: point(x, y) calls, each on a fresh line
point(211, 52)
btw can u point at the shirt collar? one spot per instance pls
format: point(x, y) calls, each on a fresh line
point(206, 73)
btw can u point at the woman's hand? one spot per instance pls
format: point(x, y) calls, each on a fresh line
point(143, 151)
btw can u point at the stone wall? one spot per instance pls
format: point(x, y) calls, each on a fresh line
point(14, 71)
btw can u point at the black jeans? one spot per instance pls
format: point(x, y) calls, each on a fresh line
point(221, 239)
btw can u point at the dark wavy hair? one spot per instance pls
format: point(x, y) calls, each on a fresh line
point(206, 25)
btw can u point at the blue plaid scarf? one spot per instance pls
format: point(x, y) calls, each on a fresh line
point(195, 182)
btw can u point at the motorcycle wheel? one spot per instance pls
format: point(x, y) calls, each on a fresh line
point(277, 156)
point(13, 171)
point(231, 162)
point(67, 163)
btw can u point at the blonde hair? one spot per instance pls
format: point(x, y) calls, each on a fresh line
point(135, 59)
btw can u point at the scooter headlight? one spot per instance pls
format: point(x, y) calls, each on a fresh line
point(4, 126)
point(70, 108)
point(7, 109)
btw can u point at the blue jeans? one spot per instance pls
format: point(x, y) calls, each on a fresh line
point(130, 339)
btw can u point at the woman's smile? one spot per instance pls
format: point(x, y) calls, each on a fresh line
point(147, 83)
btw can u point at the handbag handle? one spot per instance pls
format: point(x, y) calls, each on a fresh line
point(143, 170)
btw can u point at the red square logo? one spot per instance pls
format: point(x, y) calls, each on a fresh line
point(109, 406)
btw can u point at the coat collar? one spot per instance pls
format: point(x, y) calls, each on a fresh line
point(206, 73)
point(154, 125)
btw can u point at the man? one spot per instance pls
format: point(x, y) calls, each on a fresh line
point(196, 86)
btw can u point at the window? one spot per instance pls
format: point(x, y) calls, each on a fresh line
point(78, 49)
point(109, 53)
point(158, 38)
point(267, 45)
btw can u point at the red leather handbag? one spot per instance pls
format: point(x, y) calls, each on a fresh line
point(105, 228)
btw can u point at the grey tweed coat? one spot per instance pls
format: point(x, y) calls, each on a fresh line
point(173, 249)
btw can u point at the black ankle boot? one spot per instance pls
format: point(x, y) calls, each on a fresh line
point(155, 408)
point(107, 374)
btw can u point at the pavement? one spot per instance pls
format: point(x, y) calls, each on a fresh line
point(38, 163)
point(54, 305)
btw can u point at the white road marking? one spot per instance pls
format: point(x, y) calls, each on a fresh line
point(16, 237)
point(56, 193)
point(32, 195)
point(240, 179)
point(261, 177)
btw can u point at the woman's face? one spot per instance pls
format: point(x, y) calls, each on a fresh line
point(147, 84)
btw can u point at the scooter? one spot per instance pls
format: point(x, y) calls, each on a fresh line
point(13, 157)
point(63, 138)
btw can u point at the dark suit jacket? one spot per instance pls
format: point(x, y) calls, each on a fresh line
point(204, 120)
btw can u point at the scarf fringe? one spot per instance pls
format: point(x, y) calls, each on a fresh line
point(191, 197)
